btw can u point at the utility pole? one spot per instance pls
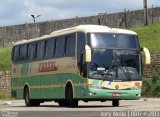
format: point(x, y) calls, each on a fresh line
point(34, 17)
point(145, 12)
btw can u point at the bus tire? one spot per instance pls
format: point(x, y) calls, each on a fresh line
point(115, 103)
point(69, 98)
point(28, 101)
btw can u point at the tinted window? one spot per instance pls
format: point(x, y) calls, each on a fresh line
point(70, 45)
point(40, 49)
point(80, 46)
point(50, 47)
point(32, 51)
point(16, 54)
point(80, 43)
point(60, 45)
point(104, 40)
point(23, 53)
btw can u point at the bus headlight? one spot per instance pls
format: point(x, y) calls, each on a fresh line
point(96, 86)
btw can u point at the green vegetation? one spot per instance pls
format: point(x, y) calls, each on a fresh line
point(5, 96)
point(149, 36)
point(5, 58)
point(151, 87)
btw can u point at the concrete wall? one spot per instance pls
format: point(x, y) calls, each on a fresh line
point(5, 82)
point(125, 19)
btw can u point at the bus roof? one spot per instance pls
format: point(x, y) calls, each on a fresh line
point(80, 28)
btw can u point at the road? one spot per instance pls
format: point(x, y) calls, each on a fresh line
point(91, 109)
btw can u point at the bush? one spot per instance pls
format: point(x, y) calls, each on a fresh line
point(146, 87)
point(151, 87)
point(5, 96)
point(5, 58)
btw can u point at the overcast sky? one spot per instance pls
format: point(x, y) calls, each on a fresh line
point(13, 12)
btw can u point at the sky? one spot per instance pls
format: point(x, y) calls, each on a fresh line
point(14, 12)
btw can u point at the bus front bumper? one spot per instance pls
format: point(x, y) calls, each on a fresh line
point(133, 94)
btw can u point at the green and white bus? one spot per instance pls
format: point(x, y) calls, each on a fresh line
point(86, 62)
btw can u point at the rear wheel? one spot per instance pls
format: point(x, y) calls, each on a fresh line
point(115, 103)
point(28, 101)
point(69, 98)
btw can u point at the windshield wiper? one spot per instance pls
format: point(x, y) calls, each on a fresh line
point(126, 72)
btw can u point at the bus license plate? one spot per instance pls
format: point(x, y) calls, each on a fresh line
point(116, 94)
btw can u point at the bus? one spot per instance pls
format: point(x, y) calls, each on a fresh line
point(82, 63)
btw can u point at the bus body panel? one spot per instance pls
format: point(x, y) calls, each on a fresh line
point(53, 87)
point(47, 78)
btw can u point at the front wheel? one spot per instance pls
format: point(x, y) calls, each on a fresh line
point(69, 98)
point(28, 101)
point(115, 103)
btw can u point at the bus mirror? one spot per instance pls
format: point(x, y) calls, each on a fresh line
point(87, 53)
point(147, 56)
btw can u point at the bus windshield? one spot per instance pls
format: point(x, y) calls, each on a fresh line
point(103, 40)
point(114, 57)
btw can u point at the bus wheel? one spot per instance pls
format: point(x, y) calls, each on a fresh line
point(69, 98)
point(115, 103)
point(28, 101)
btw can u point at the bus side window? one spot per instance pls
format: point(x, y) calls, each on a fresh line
point(40, 49)
point(32, 51)
point(80, 49)
point(23, 53)
point(16, 54)
point(50, 45)
point(70, 45)
point(60, 47)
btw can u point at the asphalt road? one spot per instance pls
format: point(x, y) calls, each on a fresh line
point(127, 108)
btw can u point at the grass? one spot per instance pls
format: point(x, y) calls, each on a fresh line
point(5, 58)
point(5, 96)
point(149, 37)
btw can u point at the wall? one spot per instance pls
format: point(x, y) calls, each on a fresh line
point(125, 19)
point(5, 82)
